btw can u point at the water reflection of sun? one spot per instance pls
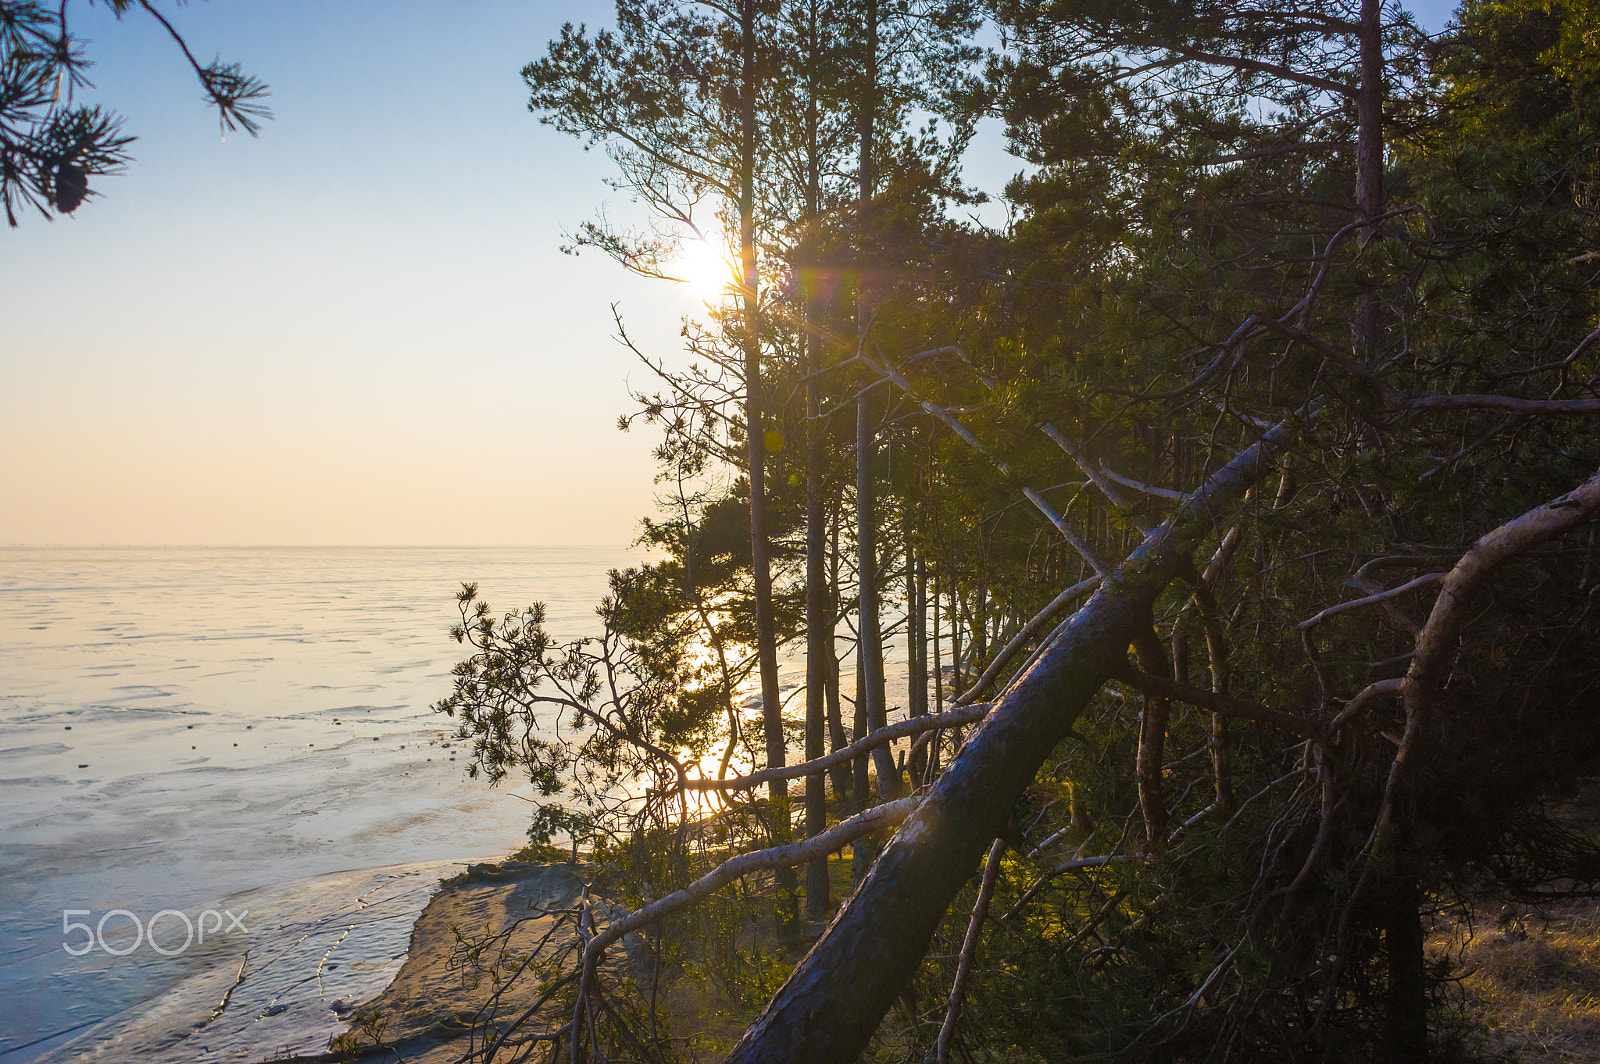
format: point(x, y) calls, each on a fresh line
point(705, 667)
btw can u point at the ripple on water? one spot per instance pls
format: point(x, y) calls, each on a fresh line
point(132, 809)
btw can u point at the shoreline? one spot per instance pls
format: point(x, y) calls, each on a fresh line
point(319, 948)
point(380, 958)
point(479, 953)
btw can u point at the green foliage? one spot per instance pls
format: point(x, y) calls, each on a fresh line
point(1188, 264)
point(591, 721)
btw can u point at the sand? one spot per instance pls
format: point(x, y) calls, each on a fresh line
point(510, 925)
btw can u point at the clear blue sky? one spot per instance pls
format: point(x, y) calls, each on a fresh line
point(357, 328)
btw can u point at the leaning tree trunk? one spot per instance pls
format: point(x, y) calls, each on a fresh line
point(836, 996)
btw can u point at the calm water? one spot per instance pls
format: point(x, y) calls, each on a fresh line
point(178, 726)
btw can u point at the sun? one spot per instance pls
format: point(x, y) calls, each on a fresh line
point(701, 266)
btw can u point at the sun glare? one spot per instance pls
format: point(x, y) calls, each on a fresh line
point(701, 266)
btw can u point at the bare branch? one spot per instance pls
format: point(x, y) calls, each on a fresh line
point(1075, 541)
point(1256, 66)
point(899, 730)
point(1367, 694)
point(1226, 705)
point(887, 815)
point(1371, 600)
point(1029, 630)
point(1437, 643)
point(1146, 489)
point(969, 949)
point(1536, 407)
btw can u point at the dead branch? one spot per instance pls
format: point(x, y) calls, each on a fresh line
point(877, 818)
point(1212, 702)
point(1077, 542)
point(1028, 631)
point(1371, 600)
point(1436, 645)
point(1367, 694)
point(898, 730)
point(1536, 407)
point(1149, 759)
point(1144, 489)
point(969, 949)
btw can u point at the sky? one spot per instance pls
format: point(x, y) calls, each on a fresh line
point(357, 328)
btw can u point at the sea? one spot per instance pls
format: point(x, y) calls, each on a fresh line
point(237, 742)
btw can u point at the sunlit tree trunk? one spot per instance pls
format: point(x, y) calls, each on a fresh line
point(838, 738)
point(766, 632)
point(916, 643)
point(819, 613)
point(869, 652)
point(869, 661)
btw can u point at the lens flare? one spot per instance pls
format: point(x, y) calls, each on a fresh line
point(701, 266)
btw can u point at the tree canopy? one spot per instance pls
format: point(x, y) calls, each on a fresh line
point(1230, 515)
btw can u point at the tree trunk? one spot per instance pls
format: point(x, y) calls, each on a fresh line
point(956, 684)
point(938, 676)
point(869, 651)
point(869, 661)
point(1369, 115)
point(749, 281)
point(1406, 1006)
point(1152, 658)
point(916, 646)
point(881, 934)
point(1369, 165)
point(819, 614)
point(838, 739)
point(819, 637)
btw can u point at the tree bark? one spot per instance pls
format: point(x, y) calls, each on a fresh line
point(749, 283)
point(869, 651)
point(1369, 116)
point(1369, 165)
point(916, 647)
point(838, 738)
point(1152, 659)
point(819, 615)
point(1406, 1004)
point(880, 935)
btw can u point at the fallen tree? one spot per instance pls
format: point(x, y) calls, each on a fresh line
point(881, 934)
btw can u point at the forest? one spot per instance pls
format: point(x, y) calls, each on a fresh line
point(1232, 507)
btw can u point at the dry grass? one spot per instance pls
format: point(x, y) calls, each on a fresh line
point(1533, 980)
